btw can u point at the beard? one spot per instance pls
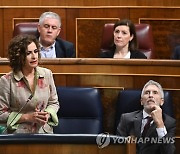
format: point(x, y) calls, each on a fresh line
point(149, 108)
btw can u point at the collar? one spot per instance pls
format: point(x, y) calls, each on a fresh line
point(38, 72)
point(127, 56)
point(145, 115)
point(50, 47)
point(18, 76)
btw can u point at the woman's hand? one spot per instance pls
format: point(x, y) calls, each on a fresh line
point(39, 117)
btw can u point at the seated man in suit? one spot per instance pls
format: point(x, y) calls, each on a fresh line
point(161, 126)
point(176, 53)
point(49, 28)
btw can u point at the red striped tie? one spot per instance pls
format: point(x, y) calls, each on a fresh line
point(147, 125)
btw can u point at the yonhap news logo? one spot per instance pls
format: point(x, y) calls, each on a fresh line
point(103, 140)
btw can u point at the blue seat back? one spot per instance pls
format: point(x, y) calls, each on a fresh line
point(80, 111)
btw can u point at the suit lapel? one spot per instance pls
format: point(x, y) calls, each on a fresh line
point(137, 124)
point(60, 48)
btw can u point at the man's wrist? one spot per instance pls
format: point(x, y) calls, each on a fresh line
point(160, 124)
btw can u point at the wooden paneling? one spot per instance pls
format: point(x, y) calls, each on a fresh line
point(64, 148)
point(39, 146)
point(86, 29)
point(165, 27)
point(111, 76)
point(89, 3)
point(166, 33)
point(86, 34)
point(20, 20)
point(73, 14)
point(1, 32)
point(177, 144)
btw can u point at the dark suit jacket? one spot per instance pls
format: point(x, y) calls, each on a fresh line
point(130, 125)
point(134, 54)
point(64, 49)
point(176, 53)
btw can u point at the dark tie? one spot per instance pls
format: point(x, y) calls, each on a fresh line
point(147, 125)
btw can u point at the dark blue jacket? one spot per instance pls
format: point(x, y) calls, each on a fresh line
point(134, 54)
point(64, 49)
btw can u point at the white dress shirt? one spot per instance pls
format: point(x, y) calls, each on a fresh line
point(160, 131)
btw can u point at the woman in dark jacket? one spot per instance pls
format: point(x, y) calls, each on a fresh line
point(125, 42)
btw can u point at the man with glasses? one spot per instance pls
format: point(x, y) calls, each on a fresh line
point(49, 28)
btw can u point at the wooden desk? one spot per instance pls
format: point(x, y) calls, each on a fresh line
point(111, 76)
point(110, 73)
point(134, 68)
point(177, 144)
point(60, 144)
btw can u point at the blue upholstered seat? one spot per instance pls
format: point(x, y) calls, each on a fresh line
point(129, 101)
point(80, 111)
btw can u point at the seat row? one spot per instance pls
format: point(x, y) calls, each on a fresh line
point(143, 32)
point(81, 109)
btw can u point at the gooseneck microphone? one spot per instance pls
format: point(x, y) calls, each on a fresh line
point(5, 128)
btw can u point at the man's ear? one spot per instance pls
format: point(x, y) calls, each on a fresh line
point(38, 27)
point(141, 101)
point(59, 30)
point(162, 102)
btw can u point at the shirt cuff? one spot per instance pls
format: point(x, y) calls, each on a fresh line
point(53, 121)
point(161, 132)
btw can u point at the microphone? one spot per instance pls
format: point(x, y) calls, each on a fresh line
point(2, 128)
